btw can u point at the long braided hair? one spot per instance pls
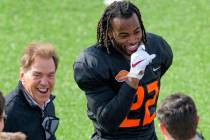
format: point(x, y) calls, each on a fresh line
point(121, 9)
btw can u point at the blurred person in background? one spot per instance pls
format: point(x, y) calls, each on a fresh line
point(178, 118)
point(7, 135)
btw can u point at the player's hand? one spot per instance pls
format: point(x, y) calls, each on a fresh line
point(139, 60)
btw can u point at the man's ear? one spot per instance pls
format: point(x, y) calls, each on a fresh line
point(162, 128)
point(21, 75)
point(197, 119)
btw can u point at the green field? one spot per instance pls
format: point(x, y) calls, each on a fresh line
point(71, 26)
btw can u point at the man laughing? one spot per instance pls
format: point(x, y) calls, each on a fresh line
point(29, 107)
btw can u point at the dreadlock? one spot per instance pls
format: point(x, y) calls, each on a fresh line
point(121, 9)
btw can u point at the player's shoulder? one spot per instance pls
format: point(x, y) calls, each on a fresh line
point(90, 68)
point(151, 37)
point(90, 56)
point(156, 42)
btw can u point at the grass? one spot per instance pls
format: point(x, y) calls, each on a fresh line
point(71, 26)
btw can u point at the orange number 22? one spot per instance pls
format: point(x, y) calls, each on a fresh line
point(148, 118)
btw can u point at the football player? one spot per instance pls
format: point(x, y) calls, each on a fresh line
point(121, 74)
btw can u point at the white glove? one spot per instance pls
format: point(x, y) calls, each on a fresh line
point(139, 60)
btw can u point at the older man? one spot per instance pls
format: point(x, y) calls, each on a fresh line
point(30, 107)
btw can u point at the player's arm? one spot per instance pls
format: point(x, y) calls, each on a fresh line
point(108, 108)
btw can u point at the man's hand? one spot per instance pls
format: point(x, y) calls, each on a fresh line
point(139, 60)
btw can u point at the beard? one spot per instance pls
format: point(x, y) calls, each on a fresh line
point(120, 48)
point(125, 49)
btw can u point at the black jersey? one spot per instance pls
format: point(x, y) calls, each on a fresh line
point(117, 110)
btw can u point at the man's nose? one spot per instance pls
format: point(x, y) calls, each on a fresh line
point(133, 39)
point(44, 80)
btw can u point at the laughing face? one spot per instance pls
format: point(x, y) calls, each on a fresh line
point(126, 34)
point(39, 79)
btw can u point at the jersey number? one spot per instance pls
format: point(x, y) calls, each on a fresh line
point(148, 118)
